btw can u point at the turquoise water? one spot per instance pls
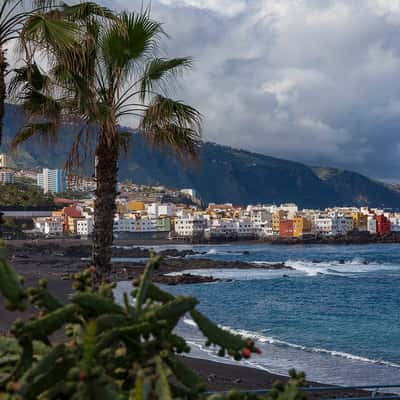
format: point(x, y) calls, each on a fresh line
point(336, 315)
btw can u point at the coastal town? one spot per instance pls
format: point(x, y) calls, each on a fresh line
point(156, 212)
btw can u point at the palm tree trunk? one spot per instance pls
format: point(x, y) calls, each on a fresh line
point(104, 206)
point(3, 68)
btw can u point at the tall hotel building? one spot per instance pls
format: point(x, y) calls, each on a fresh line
point(52, 180)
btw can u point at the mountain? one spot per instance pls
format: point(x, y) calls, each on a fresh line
point(224, 174)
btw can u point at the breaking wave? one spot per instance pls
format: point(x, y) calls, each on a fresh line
point(338, 267)
point(262, 339)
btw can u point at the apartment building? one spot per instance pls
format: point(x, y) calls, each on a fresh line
point(6, 177)
point(49, 225)
point(51, 180)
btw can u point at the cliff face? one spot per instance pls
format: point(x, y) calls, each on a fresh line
point(224, 174)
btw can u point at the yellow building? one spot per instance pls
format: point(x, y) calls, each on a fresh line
point(57, 213)
point(301, 226)
point(277, 217)
point(136, 206)
point(360, 221)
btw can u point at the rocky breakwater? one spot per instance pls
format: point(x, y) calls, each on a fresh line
point(61, 258)
point(174, 271)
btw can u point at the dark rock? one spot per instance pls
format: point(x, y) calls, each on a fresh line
point(185, 279)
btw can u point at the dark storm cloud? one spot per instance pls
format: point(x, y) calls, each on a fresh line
point(310, 80)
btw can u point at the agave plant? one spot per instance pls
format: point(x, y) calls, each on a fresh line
point(112, 71)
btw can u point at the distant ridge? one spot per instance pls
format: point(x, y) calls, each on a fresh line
point(225, 174)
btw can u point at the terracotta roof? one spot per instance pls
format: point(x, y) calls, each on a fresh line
point(72, 212)
point(64, 201)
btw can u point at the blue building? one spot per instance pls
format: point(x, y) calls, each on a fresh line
point(52, 180)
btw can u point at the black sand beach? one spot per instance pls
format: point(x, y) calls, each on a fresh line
point(55, 260)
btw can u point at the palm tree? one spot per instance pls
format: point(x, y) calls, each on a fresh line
point(113, 72)
point(12, 18)
point(10, 21)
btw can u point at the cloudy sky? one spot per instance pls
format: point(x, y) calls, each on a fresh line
point(316, 81)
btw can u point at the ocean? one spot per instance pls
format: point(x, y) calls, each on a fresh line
point(335, 316)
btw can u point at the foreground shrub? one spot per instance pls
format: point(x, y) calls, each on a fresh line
point(106, 350)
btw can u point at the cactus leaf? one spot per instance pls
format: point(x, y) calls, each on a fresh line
point(142, 387)
point(162, 386)
point(110, 321)
point(145, 281)
point(96, 305)
point(175, 308)
point(10, 285)
point(89, 346)
point(41, 328)
point(48, 372)
point(156, 294)
point(185, 375)
point(216, 334)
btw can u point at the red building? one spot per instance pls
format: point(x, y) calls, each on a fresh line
point(382, 225)
point(286, 228)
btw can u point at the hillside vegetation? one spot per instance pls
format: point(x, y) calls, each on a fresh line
point(224, 174)
point(24, 196)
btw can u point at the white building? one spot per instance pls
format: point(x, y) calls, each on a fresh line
point(84, 226)
point(265, 230)
point(222, 228)
point(291, 209)
point(4, 161)
point(141, 224)
point(232, 228)
point(122, 224)
point(331, 225)
point(161, 209)
point(259, 216)
point(395, 223)
point(49, 225)
point(51, 180)
point(191, 225)
point(6, 177)
point(245, 228)
point(371, 224)
point(193, 194)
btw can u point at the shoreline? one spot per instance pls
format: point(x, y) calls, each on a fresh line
point(357, 238)
point(33, 264)
point(221, 376)
point(64, 258)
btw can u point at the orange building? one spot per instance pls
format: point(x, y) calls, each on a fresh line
point(286, 228)
point(69, 216)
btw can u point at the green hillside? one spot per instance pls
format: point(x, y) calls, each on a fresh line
point(224, 174)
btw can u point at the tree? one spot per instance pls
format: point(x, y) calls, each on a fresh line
point(12, 18)
point(112, 71)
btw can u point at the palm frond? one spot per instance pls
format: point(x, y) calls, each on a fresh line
point(28, 76)
point(47, 131)
point(43, 4)
point(130, 38)
point(124, 141)
point(49, 31)
point(85, 11)
point(158, 70)
point(171, 123)
point(38, 105)
point(10, 19)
